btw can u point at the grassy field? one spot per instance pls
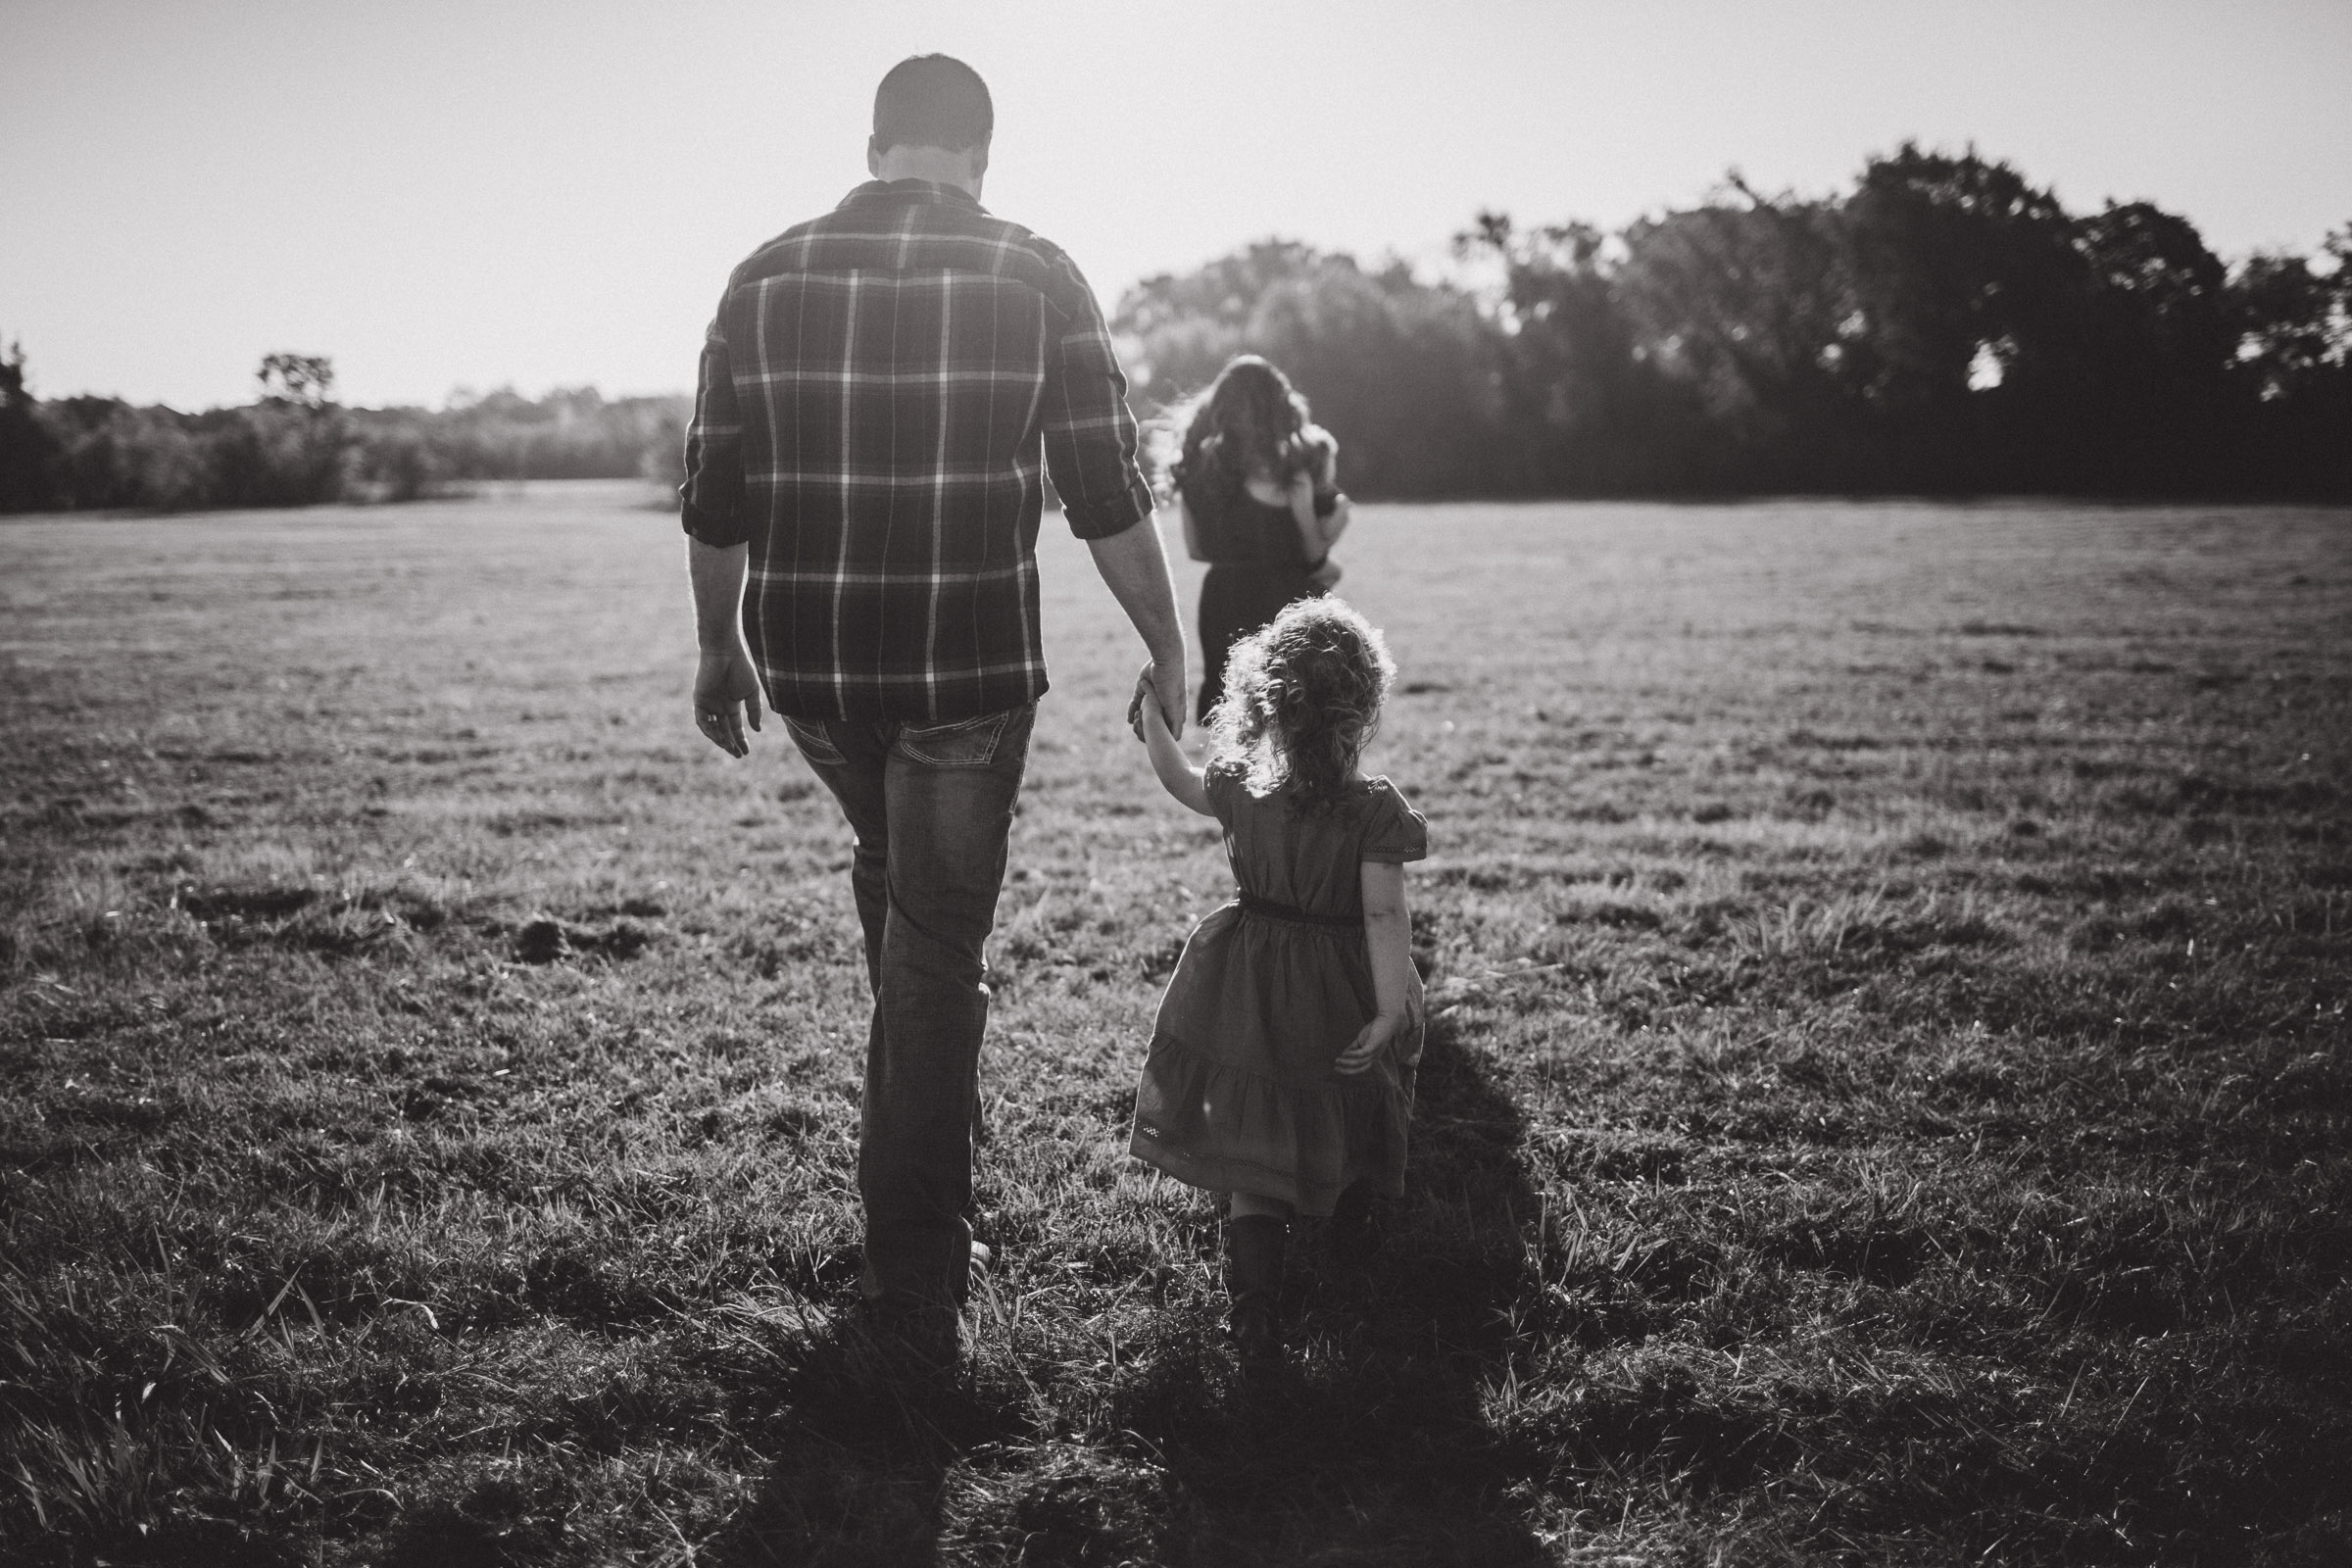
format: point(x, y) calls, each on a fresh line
point(1889, 1099)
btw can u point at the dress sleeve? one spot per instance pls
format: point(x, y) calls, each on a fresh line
point(1218, 781)
point(1395, 832)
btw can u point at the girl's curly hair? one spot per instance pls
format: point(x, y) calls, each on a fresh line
point(1250, 421)
point(1301, 698)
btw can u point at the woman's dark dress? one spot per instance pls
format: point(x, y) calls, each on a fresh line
point(1256, 565)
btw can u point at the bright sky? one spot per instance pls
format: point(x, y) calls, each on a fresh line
point(551, 192)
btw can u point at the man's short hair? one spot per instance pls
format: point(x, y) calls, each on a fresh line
point(932, 100)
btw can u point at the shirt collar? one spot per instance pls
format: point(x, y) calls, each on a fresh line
point(914, 190)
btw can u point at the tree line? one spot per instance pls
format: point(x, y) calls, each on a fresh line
point(1944, 327)
point(295, 445)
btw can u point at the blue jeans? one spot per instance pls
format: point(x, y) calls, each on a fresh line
point(931, 805)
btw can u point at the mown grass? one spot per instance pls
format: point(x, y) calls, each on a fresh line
point(1888, 1096)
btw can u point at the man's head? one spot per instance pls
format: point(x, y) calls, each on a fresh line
point(932, 121)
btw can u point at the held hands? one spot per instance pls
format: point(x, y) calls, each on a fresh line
point(1162, 685)
point(727, 695)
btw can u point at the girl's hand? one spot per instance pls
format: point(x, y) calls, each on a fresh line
point(1370, 1041)
point(1326, 574)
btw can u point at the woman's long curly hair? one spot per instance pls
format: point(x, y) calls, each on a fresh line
point(1250, 423)
point(1301, 698)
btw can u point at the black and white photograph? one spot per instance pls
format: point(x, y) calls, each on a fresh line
point(1514, 784)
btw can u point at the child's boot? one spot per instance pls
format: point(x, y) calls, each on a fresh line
point(1350, 1233)
point(1253, 1247)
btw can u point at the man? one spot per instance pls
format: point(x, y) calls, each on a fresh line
point(875, 395)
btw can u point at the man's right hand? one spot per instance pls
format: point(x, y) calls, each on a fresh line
point(1162, 680)
point(726, 694)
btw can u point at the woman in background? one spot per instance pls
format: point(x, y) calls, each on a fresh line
point(1256, 484)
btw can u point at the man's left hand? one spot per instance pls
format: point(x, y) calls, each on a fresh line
point(726, 695)
point(1163, 683)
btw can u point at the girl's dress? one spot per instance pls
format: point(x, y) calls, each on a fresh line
point(1255, 566)
point(1238, 1091)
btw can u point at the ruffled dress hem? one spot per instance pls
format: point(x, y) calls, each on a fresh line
point(1230, 1128)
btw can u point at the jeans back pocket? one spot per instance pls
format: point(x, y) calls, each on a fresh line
point(815, 741)
point(964, 743)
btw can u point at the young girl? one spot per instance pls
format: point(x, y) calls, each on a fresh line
point(1281, 1066)
point(1256, 485)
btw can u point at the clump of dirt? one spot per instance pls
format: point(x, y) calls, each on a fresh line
point(544, 939)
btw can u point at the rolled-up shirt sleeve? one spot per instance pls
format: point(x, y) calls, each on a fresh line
point(1090, 435)
point(711, 500)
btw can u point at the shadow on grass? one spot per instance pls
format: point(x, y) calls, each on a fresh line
point(1368, 1446)
point(1371, 1445)
point(861, 1451)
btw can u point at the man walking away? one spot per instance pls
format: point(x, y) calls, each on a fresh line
point(880, 394)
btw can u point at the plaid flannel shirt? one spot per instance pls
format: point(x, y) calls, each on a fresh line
point(873, 398)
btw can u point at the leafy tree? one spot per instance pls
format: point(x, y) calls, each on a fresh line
point(288, 450)
point(2155, 338)
point(2292, 324)
point(1749, 303)
point(1586, 409)
point(1964, 273)
point(2292, 367)
point(306, 380)
point(28, 452)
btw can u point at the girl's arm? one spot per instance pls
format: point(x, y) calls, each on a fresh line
point(1387, 939)
point(1177, 776)
point(1311, 539)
